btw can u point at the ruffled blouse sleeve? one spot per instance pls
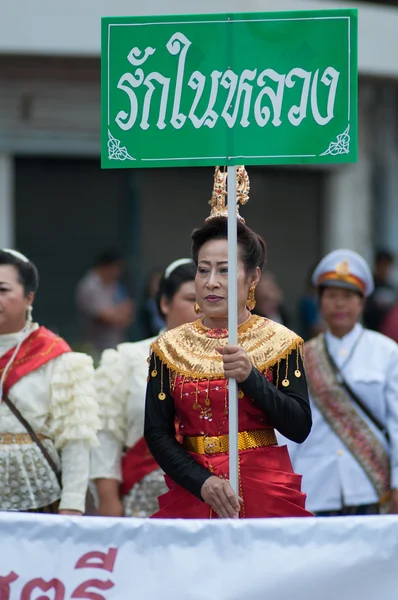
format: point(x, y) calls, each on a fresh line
point(74, 423)
point(112, 384)
point(74, 408)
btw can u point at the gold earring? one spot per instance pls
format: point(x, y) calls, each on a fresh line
point(197, 308)
point(251, 301)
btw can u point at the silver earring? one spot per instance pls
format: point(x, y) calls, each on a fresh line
point(29, 318)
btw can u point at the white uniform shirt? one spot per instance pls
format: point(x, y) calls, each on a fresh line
point(58, 400)
point(332, 477)
point(121, 381)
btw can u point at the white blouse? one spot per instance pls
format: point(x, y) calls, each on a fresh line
point(120, 381)
point(58, 400)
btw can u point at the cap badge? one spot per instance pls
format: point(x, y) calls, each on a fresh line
point(343, 268)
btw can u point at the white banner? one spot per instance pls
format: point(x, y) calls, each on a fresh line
point(60, 558)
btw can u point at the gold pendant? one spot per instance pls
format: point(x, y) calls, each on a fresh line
point(297, 373)
point(154, 373)
point(207, 401)
point(285, 383)
point(162, 396)
point(241, 394)
point(196, 405)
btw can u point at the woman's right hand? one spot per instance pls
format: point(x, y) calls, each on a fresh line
point(220, 496)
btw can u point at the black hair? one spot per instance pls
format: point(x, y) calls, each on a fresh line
point(108, 257)
point(252, 246)
point(27, 272)
point(169, 286)
point(384, 256)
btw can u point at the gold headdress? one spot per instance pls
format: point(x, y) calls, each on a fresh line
point(218, 205)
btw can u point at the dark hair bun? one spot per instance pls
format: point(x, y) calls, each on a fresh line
point(252, 246)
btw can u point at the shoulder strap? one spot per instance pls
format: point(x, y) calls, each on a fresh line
point(341, 381)
point(34, 437)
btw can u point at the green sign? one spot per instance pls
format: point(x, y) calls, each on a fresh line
point(256, 88)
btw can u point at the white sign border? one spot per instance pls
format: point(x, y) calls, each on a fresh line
point(223, 158)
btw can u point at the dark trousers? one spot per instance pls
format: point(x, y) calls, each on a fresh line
point(351, 511)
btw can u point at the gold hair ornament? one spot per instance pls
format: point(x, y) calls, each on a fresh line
point(217, 202)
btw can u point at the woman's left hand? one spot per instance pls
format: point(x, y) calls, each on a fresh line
point(75, 513)
point(237, 364)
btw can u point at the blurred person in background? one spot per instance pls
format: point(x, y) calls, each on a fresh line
point(269, 299)
point(310, 318)
point(150, 319)
point(350, 460)
point(106, 310)
point(48, 412)
point(384, 295)
point(389, 325)
point(121, 381)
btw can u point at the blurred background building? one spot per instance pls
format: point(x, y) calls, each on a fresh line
point(58, 207)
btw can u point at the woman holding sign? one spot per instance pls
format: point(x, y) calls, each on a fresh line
point(189, 371)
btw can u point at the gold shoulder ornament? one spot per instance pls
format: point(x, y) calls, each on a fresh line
point(191, 350)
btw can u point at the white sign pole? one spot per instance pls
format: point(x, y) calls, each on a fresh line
point(232, 325)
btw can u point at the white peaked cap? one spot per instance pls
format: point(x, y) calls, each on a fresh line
point(345, 269)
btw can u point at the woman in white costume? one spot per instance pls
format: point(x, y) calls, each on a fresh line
point(127, 478)
point(48, 411)
point(350, 460)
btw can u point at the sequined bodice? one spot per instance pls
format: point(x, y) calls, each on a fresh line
point(202, 407)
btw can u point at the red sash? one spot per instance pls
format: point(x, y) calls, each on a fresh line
point(136, 464)
point(139, 462)
point(38, 349)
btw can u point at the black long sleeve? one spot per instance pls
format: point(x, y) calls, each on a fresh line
point(287, 408)
point(159, 432)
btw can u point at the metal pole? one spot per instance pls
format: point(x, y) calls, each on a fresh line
point(232, 324)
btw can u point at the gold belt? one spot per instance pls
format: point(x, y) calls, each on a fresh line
point(18, 438)
point(218, 444)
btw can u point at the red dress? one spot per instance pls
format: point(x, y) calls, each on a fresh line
point(267, 483)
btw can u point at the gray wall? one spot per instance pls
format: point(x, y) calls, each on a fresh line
point(67, 210)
